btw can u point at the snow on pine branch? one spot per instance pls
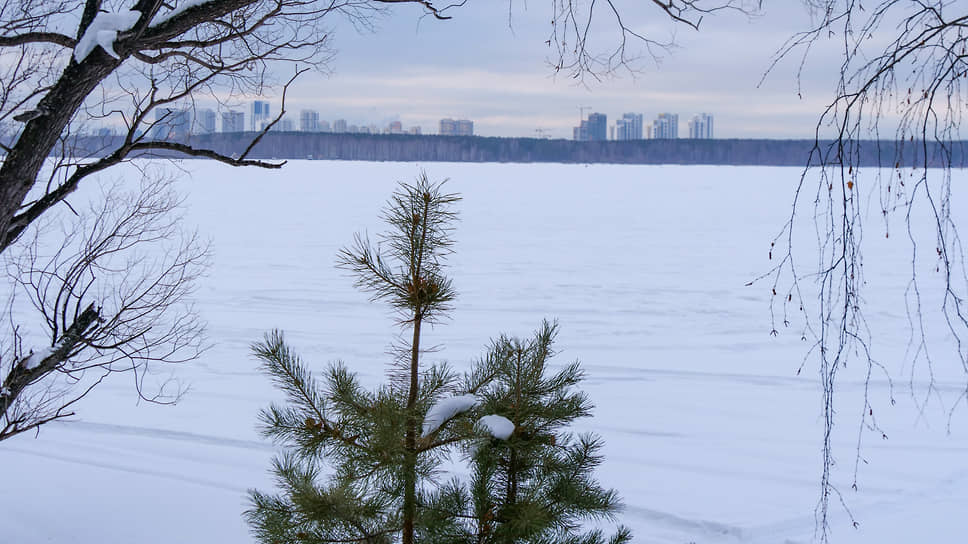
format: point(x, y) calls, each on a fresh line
point(445, 409)
point(104, 31)
point(500, 427)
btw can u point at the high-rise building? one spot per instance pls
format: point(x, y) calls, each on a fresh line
point(597, 126)
point(260, 115)
point(171, 124)
point(415, 130)
point(339, 125)
point(396, 127)
point(181, 124)
point(629, 127)
point(204, 122)
point(284, 125)
point(233, 121)
point(666, 126)
point(324, 126)
point(460, 127)
point(580, 133)
point(448, 127)
point(701, 126)
point(309, 121)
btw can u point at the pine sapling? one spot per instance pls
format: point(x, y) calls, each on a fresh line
point(532, 481)
point(370, 442)
point(363, 466)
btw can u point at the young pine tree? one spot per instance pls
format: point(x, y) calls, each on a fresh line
point(378, 462)
point(531, 480)
point(360, 466)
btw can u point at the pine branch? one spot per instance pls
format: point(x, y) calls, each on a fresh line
point(307, 425)
point(537, 486)
point(288, 373)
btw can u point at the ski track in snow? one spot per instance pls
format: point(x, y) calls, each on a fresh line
point(710, 436)
point(702, 530)
point(137, 470)
point(697, 527)
point(80, 446)
point(164, 434)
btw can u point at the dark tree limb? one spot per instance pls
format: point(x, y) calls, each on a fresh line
point(19, 376)
point(204, 153)
point(38, 37)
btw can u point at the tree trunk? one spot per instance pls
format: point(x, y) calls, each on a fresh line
point(22, 164)
point(410, 459)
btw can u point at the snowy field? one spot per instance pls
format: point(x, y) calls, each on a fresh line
point(711, 436)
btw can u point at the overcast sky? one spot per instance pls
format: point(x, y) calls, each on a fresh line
point(418, 70)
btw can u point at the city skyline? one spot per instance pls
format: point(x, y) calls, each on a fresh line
point(509, 90)
point(630, 126)
point(175, 122)
point(474, 66)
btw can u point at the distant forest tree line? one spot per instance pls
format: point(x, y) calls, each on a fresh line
point(403, 147)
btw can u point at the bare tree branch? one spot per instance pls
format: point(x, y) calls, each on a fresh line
point(38, 37)
point(910, 86)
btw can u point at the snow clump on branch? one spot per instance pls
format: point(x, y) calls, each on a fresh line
point(445, 409)
point(500, 427)
point(103, 31)
point(37, 357)
point(181, 8)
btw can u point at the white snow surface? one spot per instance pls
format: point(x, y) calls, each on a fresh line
point(710, 434)
point(500, 427)
point(104, 31)
point(445, 409)
point(180, 8)
point(37, 357)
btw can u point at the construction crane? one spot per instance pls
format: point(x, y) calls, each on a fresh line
point(581, 119)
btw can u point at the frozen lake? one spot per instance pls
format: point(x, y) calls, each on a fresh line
point(711, 436)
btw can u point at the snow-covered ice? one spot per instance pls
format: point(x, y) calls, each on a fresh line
point(444, 409)
point(103, 31)
point(500, 427)
point(710, 434)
